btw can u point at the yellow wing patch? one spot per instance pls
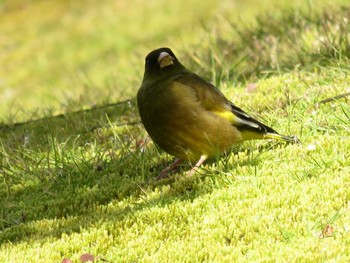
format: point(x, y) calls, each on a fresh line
point(235, 120)
point(228, 115)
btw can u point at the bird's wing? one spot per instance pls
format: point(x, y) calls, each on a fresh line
point(213, 100)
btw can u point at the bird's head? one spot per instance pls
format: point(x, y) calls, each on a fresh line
point(161, 63)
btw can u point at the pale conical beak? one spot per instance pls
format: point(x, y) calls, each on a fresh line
point(165, 60)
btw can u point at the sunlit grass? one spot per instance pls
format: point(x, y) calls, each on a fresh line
point(58, 50)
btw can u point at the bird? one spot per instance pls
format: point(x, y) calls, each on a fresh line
point(188, 117)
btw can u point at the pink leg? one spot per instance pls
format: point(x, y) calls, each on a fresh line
point(164, 173)
point(195, 167)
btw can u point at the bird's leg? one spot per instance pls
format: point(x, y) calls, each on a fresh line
point(164, 173)
point(195, 167)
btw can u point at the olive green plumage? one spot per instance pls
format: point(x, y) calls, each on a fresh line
point(187, 116)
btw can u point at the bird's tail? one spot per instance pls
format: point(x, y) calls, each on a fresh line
point(280, 137)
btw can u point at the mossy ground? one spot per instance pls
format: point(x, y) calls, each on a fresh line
point(76, 176)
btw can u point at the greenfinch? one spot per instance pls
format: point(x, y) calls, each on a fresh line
point(188, 117)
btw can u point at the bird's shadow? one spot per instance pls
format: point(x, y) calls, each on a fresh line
point(48, 175)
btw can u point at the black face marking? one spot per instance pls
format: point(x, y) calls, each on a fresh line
point(152, 59)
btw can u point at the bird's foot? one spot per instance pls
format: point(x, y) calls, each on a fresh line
point(195, 167)
point(165, 173)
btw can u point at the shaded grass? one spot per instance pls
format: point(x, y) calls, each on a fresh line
point(295, 38)
point(63, 127)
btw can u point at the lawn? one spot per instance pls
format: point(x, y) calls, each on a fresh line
point(77, 172)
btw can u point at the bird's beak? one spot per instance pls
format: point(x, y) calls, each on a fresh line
point(165, 60)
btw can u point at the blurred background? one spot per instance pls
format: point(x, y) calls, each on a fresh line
point(60, 55)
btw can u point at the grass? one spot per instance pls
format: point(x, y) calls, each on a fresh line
point(76, 175)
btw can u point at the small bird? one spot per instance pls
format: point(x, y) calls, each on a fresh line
point(188, 117)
